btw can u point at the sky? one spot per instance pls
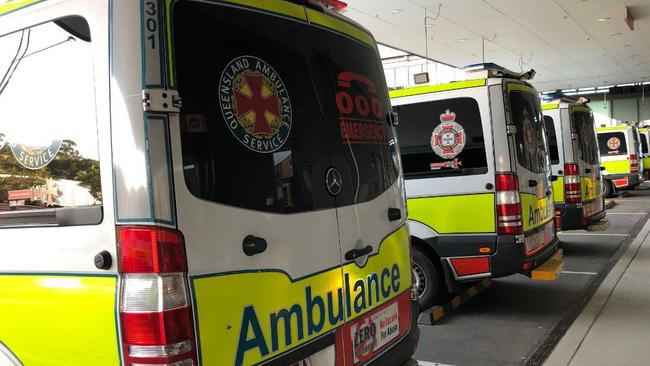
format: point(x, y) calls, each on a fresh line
point(51, 93)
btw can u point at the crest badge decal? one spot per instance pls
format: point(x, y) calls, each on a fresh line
point(614, 143)
point(448, 138)
point(255, 104)
point(34, 158)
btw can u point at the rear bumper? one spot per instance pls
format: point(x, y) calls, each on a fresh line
point(624, 181)
point(571, 216)
point(400, 354)
point(511, 257)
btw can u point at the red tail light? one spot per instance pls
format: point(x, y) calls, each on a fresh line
point(634, 163)
point(572, 185)
point(336, 5)
point(508, 205)
point(155, 312)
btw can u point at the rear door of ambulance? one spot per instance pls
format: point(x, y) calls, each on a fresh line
point(365, 180)
point(587, 157)
point(260, 167)
point(56, 203)
point(533, 171)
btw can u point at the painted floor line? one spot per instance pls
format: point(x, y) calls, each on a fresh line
point(592, 234)
point(579, 273)
point(427, 363)
point(626, 213)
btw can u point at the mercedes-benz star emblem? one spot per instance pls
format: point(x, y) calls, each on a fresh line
point(333, 181)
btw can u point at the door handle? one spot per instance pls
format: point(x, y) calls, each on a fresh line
point(356, 253)
point(587, 170)
point(253, 245)
point(602, 168)
point(532, 183)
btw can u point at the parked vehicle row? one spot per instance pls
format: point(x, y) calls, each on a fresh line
point(221, 183)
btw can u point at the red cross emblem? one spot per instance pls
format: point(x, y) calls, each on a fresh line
point(253, 101)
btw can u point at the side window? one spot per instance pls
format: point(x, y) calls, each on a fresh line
point(49, 161)
point(442, 138)
point(552, 140)
point(530, 139)
point(612, 143)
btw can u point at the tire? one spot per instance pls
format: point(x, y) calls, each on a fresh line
point(609, 189)
point(427, 279)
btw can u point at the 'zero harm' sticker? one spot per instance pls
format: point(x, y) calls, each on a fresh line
point(255, 104)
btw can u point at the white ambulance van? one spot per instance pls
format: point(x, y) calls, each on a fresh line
point(198, 183)
point(620, 151)
point(575, 160)
point(478, 181)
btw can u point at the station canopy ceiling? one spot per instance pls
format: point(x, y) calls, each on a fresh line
point(570, 43)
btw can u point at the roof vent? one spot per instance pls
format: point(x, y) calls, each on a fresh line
point(492, 70)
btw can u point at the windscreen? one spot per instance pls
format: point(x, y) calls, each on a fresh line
point(552, 140)
point(267, 114)
point(612, 143)
point(442, 138)
point(530, 137)
point(583, 126)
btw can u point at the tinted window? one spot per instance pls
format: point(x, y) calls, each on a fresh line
point(440, 138)
point(583, 125)
point(644, 143)
point(552, 140)
point(612, 143)
point(292, 103)
point(48, 133)
point(530, 138)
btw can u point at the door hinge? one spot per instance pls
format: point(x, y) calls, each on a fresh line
point(161, 100)
point(511, 129)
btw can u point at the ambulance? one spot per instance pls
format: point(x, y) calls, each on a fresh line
point(644, 134)
point(620, 151)
point(198, 183)
point(575, 161)
point(478, 181)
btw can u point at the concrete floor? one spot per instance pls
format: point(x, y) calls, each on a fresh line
point(519, 321)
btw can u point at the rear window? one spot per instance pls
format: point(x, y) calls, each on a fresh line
point(530, 138)
point(612, 143)
point(552, 140)
point(49, 156)
point(268, 110)
point(644, 143)
point(583, 125)
point(441, 138)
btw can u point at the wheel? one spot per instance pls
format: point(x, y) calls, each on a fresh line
point(427, 281)
point(608, 190)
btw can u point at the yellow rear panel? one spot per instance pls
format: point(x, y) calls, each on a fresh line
point(617, 167)
point(50, 320)
point(450, 214)
point(535, 211)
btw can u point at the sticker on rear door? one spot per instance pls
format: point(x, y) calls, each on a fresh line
point(374, 332)
point(447, 141)
point(613, 144)
point(255, 104)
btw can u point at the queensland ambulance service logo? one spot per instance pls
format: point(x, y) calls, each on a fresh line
point(255, 104)
point(35, 158)
point(448, 138)
point(614, 143)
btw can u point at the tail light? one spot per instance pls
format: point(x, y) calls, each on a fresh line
point(508, 205)
point(634, 163)
point(572, 186)
point(155, 311)
point(335, 5)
